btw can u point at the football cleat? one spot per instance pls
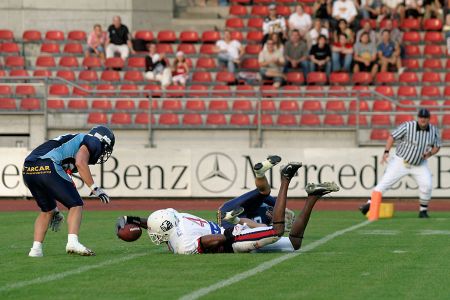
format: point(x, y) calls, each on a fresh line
point(56, 221)
point(290, 170)
point(270, 162)
point(365, 208)
point(232, 216)
point(320, 189)
point(35, 253)
point(79, 249)
point(423, 214)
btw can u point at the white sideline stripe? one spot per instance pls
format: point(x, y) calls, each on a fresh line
point(53, 277)
point(268, 264)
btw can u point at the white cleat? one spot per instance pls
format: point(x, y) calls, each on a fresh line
point(269, 163)
point(79, 249)
point(36, 253)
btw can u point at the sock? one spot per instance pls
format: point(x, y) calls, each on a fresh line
point(423, 207)
point(37, 245)
point(72, 238)
point(261, 168)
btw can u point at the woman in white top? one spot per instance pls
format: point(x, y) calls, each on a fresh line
point(229, 51)
point(300, 20)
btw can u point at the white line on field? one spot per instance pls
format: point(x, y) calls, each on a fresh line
point(268, 264)
point(53, 277)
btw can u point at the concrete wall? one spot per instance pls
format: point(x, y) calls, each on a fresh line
point(43, 15)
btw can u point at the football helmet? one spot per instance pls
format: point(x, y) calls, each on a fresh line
point(106, 137)
point(161, 224)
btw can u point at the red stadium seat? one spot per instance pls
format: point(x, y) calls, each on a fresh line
point(166, 36)
point(286, 120)
point(341, 78)
point(385, 77)
point(289, 105)
point(363, 105)
point(206, 63)
point(295, 78)
point(77, 35)
point(6, 35)
point(9, 48)
point(208, 49)
point(216, 119)
point(175, 91)
point(333, 120)
point(447, 77)
point(360, 120)
point(429, 104)
point(204, 77)
point(88, 75)
point(97, 118)
point(401, 106)
point(433, 51)
point(164, 48)
point(383, 23)
point(234, 23)
point(187, 49)
point(433, 64)
point(121, 119)
point(412, 50)
point(189, 37)
point(45, 62)
point(430, 91)
point(133, 76)
point(18, 73)
point(268, 105)
point(382, 105)
point(309, 120)
point(242, 105)
point(78, 104)
point(381, 120)
point(269, 91)
point(210, 36)
point(192, 119)
point(109, 75)
point(245, 91)
point(433, 37)
point(68, 62)
point(255, 36)
point(145, 104)
point(25, 90)
point(226, 77)
point(431, 77)
point(432, 24)
point(42, 73)
point(411, 64)
point(114, 63)
point(316, 78)
point(379, 134)
point(59, 90)
point(125, 104)
point(237, 35)
point(399, 119)
point(66, 74)
point(218, 105)
point(221, 91)
point(407, 91)
point(385, 90)
point(314, 91)
point(283, 10)
point(195, 104)
point(335, 106)
point(101, 104)
point(104, 90)
point(145, 35)
point(237, 10)
point(92, 62)
point(130, 90)
point(5, 90)
point(142, 119)
point(198, 90)
point(409, 78)
point(338, 91)
point(78, 90)
point(136, 63)
point(31, 36)
point(172, 105)
point(240, 120)
point(312, 105)
point(7, 104)
point(30, 104)
point(255, 23)
point(411, 37)
point(291, 91)
point(266, 120)
point(253, 49)
point(55, 104)
point(51, 48)
point(410, 24)
point(73, 48)
point(153, 90)
point(14, 61)
point(259, 10)
point(446, 120)
point(446, 134)
point(362, 78)
point(54, 35)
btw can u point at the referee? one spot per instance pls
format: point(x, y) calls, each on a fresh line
point(418, 141)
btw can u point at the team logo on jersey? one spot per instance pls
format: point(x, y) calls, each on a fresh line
point(216, 172)
point(36, 170)
point(166, 226)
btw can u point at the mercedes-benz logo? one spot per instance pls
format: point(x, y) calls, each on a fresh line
point(216, 172)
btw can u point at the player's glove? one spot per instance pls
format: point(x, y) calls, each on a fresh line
point(121, 221)
point(289, 217)
point(98, 192)
point(56, 221)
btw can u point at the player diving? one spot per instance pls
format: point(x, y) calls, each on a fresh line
point(188, 234)
point(46, 174)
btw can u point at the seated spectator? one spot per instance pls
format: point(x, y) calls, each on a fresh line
point(296, 54)
point(343, 28)
point(271, 62)
point(318, 29)
point(119, 39)
point(342, 54)
point(446, 30)
point(413, 9)
point(157, 67)
point(274, 24)
point(229, 52)
point(322, 9)
point(367, 29)
point(277, 42)
point(96, 42)
point(389, 53)
point(300, 20)
point(396, 36)
point(433, 9)
point(320, 56)
point(370, 9)
point(394, 9)
point(365, 55)
point(180, 69)
point(344, 9)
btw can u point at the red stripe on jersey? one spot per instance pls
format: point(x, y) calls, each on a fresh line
point(199, 246)
point(255, 235)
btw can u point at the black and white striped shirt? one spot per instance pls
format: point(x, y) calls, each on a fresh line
point(414, 142)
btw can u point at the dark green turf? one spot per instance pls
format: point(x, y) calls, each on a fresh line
point(357, 265)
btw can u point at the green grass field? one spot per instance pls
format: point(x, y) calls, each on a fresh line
point(400, 258)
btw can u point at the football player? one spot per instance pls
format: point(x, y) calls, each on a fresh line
point(45, 173)
point(189, 234)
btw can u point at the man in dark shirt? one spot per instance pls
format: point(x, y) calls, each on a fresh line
point(119, 39)
point(320, 56)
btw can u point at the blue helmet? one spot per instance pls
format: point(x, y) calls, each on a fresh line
point(106, 137)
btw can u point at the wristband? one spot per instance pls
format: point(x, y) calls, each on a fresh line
point(93, 186)
point(386, 151)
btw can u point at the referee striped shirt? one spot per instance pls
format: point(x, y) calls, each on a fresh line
point(414, 142)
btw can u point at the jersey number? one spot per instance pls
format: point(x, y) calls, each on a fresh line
point(200, 222)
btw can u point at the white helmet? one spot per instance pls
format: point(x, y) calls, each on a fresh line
point(160, 224)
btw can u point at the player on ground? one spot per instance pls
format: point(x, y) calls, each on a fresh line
point(44, 173)
point(257, 204)
point(418, 141)
point(189, 234)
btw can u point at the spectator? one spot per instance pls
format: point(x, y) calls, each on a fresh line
point(365, 55)
point(370, 9)
point(296, 53)
point(156, 67)
point(367, 28)
point(119, 39)
point(300, 20)
point(180, 69)
point(433, 9)
point(343, 28)
point(322, 9)
point(271, 62)
point(318, 29)
point(389, 53)
point(396, 36)
point(96, 42)
point(394, 9)
point(413, 9)
point(274, 24)
point(277, 42)
point(229, 52)
point(320, 56)
point(446, 30)
point(344, 9)
point(342, 54)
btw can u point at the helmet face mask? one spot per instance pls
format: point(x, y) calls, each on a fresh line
point(161, 224)
point(107, 139)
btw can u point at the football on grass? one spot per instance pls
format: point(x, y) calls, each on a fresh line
point(129, 233)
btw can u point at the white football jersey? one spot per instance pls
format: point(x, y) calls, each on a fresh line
point(185, 239)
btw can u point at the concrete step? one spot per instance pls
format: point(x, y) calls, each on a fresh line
point(198, 25)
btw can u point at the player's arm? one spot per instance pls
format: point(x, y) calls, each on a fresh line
point(121, 221)
point(213, 243)
point(250, 223)
point(387, 148)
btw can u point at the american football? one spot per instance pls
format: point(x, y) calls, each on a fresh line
point(129, 233)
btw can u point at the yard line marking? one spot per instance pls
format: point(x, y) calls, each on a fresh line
point(53, 277)
point(268, 264)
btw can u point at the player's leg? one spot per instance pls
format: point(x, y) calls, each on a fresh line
point(315, 191)
point(260, 170)
point(423, 177)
